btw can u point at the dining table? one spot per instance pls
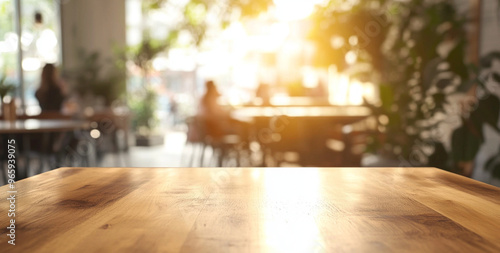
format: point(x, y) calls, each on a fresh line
point(338, 114)
point(40, 125)
point(21, 130)
point(303, 130)
point(250, 210)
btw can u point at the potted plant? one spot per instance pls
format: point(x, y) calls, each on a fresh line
point(483, 110)
point(143, 100)
point(5, 89)
point(91, 82)
point(398, 45)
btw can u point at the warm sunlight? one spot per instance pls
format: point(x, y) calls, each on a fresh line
point(289, 10)
point(292, 230)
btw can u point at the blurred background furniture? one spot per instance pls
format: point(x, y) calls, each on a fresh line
point(50, 139)
point(224, 147)
point(280, 131)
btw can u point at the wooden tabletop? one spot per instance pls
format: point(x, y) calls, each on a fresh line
point(343, 114)
point(40, 125)
point(253, 210)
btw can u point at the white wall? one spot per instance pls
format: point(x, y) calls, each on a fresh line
point(94, 25)
point(490, 27)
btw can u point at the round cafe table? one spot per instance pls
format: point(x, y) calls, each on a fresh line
point(9, 129)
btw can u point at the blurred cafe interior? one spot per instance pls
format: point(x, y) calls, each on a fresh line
point(266, 83)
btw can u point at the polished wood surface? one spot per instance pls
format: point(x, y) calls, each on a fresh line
point(40, 126)
point(253, 210)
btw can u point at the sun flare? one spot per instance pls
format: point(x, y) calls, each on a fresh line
point(290, 10)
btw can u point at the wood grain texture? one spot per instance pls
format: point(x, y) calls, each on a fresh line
point(253, 210)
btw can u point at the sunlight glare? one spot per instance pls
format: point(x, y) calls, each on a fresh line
point(290, 10)
point(292, 230)
point(310, 77)
point(355, 93)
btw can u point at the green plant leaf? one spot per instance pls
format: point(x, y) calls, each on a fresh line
point(487, 61)
point(443, 83)
point(487, 111)
point(386, 96)
point(493, 165)
point(456, 60)
point(439, 99)
point(496, 78)
point(195, 13)
point(491, 161)
point(5, 88)
point(464, 145)
point(439, 158)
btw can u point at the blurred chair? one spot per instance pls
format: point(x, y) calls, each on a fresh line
point(348, 143)
point(279, 143)
point(355, 146)
point(114, 133)
point(227, 146)
point(52, 148)
point(195, 137)
point(205, 132)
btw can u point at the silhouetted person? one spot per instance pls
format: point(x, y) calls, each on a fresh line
point(264, 92)
point(216, 118)
point(208, 104)
point(50, 94)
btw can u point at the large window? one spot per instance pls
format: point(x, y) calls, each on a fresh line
point(8, 42)
point(40, 44)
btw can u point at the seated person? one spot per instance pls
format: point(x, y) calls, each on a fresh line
point(218, 121)
point(264, 92)
point(50, 94)
point(208, 104)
